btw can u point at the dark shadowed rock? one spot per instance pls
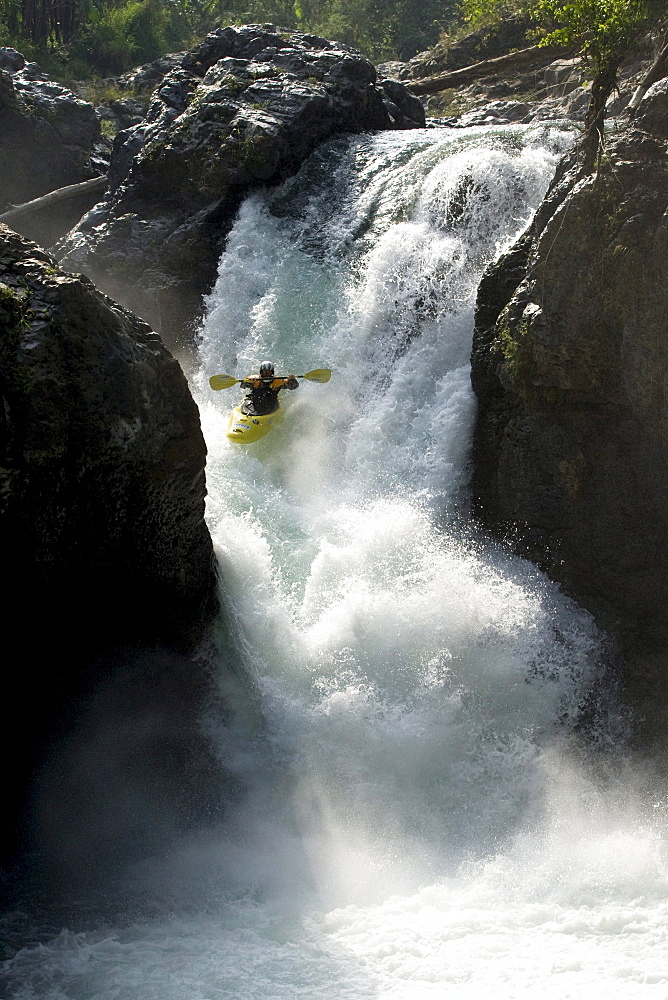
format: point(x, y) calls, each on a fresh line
point(102, 495)
point(405, 108)
point(245, 108)
point(101, 508)
point(126, 772)
point(570, 365)
point(48, 139)
point(46, 133)
point(122, 114)
point(11, 60)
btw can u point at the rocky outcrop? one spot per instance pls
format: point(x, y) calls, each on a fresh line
point(570, 366)
point(101, 499)
point(102, 477)
point(452, 53)
point(485, 78)
point(133, 93)
point(47, 139)
point(242, 110)
point(145, 78)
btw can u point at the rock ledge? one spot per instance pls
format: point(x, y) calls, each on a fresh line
point(243, 109)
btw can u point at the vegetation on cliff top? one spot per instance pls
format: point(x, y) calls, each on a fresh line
point(81, 38)
point(605, 32)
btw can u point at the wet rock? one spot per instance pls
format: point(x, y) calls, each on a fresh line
point(570, 364)
point(103, 535)
point(406, 110)
point(102, 479)
point(245, 108)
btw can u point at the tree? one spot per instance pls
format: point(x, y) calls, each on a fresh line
point(657, 71)
point(382, 29)
point(604, 31)
point(40, 20)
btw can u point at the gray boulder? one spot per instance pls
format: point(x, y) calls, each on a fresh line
point(145, 78)
point(570, 366)
point(245, 108)
point(102, 481)
point(11, 60)
point(105, 549)
point(46, 133)
point(406, 109)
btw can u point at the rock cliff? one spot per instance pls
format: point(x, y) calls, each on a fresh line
point(47, 141)
point(101, 498)
point(570, 366)
point(456, 52)
point(498, 74)
point(103, 456)
point(243, 109)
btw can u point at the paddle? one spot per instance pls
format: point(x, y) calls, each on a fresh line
point(227, 381)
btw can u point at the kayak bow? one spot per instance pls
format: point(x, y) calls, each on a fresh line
point(245, 428)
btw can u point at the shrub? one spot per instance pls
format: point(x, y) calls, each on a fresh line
point(117, 38)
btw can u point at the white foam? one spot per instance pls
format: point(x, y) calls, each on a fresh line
point(419, 820)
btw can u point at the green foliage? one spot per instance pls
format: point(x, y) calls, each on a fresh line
point(603, 30)
point(478, 13)
point(57, 62)
point(117, 38)
point(382, 29)
point(104, 37)
point(14, 309)
point(100, 91)
point(99, 37)
point(279, 12)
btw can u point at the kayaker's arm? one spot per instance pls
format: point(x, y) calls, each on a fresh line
point(227, 381)
point(284, 382)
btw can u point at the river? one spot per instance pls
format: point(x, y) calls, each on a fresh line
point(438, 800)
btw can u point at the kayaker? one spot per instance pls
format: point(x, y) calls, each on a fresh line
point(264, 390)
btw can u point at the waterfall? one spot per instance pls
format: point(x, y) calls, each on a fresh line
point(431, 805)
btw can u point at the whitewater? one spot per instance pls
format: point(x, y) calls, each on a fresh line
point(438, 798)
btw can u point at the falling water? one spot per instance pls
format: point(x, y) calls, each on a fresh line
point(433, 804)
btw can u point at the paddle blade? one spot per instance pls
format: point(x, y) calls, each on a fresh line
point(318, 375)
point(222, 381)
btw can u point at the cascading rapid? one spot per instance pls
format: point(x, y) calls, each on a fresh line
point(421, 817)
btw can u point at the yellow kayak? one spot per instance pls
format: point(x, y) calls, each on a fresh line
point(245, 428)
